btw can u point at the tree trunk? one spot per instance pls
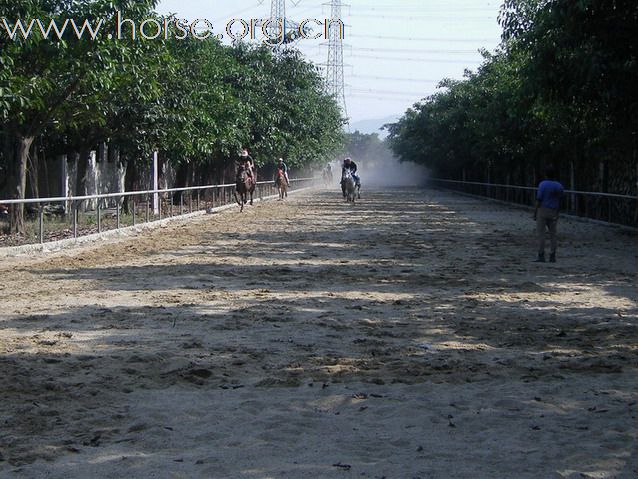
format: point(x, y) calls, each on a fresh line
point(45, 178)
point(181, 179)
point(80, 178)
point(18, 182)
point(130, 183)
point(33, 171)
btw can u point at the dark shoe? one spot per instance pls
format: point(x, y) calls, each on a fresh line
point(552, 258)
point(540, 259)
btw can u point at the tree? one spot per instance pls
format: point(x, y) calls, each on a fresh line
point(47, 73)
point(560, 89)
point(196, 102)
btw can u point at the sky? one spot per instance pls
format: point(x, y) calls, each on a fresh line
point(395, 51)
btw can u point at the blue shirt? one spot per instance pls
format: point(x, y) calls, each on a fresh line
point(549, 194)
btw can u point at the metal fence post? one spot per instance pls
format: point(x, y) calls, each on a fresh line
point(117, 212)
point(133, 202)
point(99, 219)
point(609, 210)
point(41, 221)
point(74, 206)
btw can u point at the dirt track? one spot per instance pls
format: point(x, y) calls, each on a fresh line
point(407, 336)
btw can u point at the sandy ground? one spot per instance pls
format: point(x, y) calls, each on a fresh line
point(409, 336)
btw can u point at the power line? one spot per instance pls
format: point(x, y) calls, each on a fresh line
point(408, 50)
point(423, 60)
point(234, 15)
point(421, 17)
point(407, 80)
point(387, 92)
point(417, 39)
point(382, 98)
point(421, 8)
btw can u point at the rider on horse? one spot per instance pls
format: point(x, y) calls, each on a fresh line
point(281, 165)
point(351, 166)
point(245, 164)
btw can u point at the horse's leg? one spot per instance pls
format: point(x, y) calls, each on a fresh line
point(240, 201)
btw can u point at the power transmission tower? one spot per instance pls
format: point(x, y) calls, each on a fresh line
point(277, 16)
point(334, 68)
point(281, 29)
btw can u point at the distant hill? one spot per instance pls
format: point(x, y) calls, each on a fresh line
point(373, 125)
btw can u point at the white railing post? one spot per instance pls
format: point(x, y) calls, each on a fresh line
point(155, 185)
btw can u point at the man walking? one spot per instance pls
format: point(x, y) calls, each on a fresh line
point(548, 199)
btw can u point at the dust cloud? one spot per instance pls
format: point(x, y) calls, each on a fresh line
point(390, 172)
point(379, 168)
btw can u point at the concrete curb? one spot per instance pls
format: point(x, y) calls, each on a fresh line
point(126, 232)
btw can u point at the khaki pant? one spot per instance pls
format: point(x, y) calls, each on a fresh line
point(546, 218)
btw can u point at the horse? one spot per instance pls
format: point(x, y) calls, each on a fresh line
point(348, 186)
point(245, 186)
point(281, 183)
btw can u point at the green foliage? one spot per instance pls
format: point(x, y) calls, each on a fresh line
point(284, 111)
point(196, 102)
point(561, 90)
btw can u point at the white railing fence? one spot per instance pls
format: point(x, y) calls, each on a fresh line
point(50, 219)
point(608, 207)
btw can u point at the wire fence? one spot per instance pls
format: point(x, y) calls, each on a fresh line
point(53, 219)
point(607, 207)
